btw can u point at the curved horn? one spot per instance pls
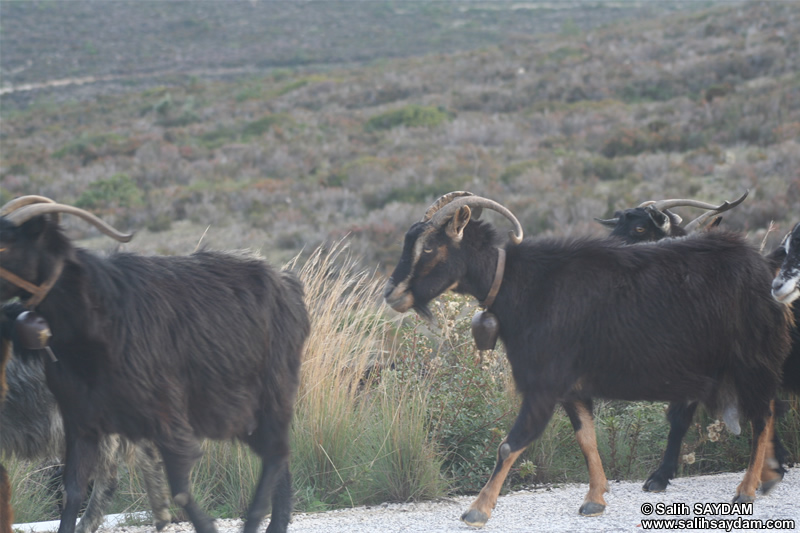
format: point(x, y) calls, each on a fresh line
point(661, 205)
point(443, 213)
point(608, 222)
point(22, 201)
point(715, 210)
point(26, 213)
point(442, 201)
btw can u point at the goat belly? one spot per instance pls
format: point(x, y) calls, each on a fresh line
point(654, 387)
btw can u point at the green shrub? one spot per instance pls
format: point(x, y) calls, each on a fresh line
point(634, 141)
point(604, 169)
point(90, 147)
point(223, 135)
point(411, 116)
point(259, 127)
point(514, 170)
point(117, 191)
point(170, 113)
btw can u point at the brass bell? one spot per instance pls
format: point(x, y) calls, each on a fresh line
point(485, 330)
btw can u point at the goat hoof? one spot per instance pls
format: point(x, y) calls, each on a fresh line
point(743, 498)
point(475, 518)
point(161, 524)
point(767, 486)
point(655, 484)
point(592, 509)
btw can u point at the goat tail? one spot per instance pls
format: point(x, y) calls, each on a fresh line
point(6, 514)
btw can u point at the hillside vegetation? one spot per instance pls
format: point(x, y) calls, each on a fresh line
point(561, 127)
point(43, 40)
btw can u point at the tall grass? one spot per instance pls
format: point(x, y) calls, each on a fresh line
point(32, 498)
point(357, 437)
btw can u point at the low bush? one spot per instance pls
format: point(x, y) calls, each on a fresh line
point(117, 191)
point(411, 116)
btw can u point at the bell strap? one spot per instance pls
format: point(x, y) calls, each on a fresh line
point(38, 292)
point(498, 279)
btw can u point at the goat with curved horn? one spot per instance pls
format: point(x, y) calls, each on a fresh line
point(574, 313)
point(652, 220)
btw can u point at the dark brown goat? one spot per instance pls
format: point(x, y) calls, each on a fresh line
point(574, 316)
point(170, 349)
point(652, 221)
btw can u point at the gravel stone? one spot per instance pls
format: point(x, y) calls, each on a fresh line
point(549, 509)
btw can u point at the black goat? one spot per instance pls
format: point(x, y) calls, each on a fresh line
point(32, 429)
point(169, 349)
point(680, 320)
point(786, 289)
point(652, 221)
point(786, 286)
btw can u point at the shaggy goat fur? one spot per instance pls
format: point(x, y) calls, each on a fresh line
point(32, 429)
point(169, 349)
point(682, 320)
point(635, 226)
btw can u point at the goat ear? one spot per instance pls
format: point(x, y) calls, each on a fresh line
point(455, 228)
point(659, 219)
point(673, 217)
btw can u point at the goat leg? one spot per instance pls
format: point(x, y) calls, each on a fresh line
point(531, 421)
point(82, 454)
point(149, 462)
point(762, 432)
point(580, 414)
point(680, 418)
point(105, 485)
point(772, 470)
point(178, 464)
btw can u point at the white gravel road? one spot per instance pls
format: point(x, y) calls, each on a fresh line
point(546, 509)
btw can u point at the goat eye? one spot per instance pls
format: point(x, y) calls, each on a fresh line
point(639, 229)
point(427, 251)
point(3, 249)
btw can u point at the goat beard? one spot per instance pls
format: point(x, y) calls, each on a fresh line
point(424, 312)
